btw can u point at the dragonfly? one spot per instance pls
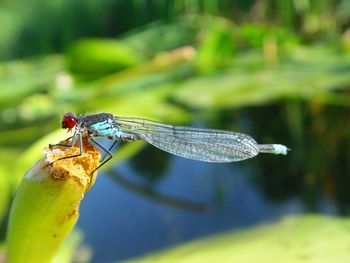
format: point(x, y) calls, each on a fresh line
point(209, 145)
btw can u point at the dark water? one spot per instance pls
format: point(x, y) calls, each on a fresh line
point(157, 200)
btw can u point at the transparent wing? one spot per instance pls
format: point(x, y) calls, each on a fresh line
point(199, 144)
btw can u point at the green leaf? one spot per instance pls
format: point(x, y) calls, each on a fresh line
point(94, 58)
point(309, 238)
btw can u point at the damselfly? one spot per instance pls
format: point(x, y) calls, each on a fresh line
point(194, 143)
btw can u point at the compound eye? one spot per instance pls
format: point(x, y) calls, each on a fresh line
point(69, 122)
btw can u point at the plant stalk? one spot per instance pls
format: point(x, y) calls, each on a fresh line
point(46, 204)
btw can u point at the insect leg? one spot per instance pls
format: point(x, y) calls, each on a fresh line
point(65, 145)
point(107, 152)
point(70, 145)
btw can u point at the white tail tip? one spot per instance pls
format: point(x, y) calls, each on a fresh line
point(280, 149)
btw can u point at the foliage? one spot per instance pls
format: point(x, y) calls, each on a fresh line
point(295, 239)
point(51, 26)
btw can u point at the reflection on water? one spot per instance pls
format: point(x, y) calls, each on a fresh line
point(148, 191)
point(156, 200)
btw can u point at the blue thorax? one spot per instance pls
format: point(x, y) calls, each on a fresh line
point(106, 129)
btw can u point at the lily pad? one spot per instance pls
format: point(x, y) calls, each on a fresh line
point(308, 238)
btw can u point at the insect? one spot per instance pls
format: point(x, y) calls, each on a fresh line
point(208, 145)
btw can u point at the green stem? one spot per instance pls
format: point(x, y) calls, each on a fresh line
point(46, 205)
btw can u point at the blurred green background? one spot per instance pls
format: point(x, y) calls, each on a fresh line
point(276, 69)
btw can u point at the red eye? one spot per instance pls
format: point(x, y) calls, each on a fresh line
point(69, 121)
